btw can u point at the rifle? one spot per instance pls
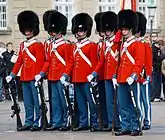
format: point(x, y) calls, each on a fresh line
point(70, 99)
point(136, 110)
point(115, 94)
point(43, 107)
point(95, 97)
point(15, 107)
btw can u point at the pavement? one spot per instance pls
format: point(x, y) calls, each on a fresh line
point(8, 128)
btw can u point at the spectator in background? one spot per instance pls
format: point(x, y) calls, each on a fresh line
point(156, 73)
point(2, 74)
point(163, 67)
point(7, 57)
point(154, 37)
point(147, 39)
point(2, 48)
point(9, 65)
point(19, 84)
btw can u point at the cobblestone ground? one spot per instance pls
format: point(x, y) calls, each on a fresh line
point(8, 131)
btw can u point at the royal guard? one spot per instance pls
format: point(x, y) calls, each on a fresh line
point(58, 65)
point(31, 59)
point(108, 60)
point(131, 62)
point(111, 53)
point(46, 46)
point(101, 85)
point(146, 72)
point(85, 60)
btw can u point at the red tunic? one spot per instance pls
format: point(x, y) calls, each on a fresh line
point(81, 68)
point(29, 67)
point(54, 65)
point(126, 67)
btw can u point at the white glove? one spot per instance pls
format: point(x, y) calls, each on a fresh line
point(146, 82)
point(38, 77)
point(130, 80)
point(115, 84)
point(8, 78)
point(90, 77)
point(36, 84)
point(66, 83)
point(63, 80)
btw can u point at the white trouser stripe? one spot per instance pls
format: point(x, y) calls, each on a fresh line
point(138, 100)
point(148, 104)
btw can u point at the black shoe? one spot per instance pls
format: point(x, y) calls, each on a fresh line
point(64, 128)
point(52, 128)
point(146, 127)
point(80, 128)
point(49, 125)
point(107, 129)
point(122, 132)
point(25, 128)
point(95, 129)
point(135, 133)
point(35, 128)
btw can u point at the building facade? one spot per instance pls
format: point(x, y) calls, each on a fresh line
point(9, 9)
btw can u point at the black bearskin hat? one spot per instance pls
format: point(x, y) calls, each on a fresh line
point(57, 23)
point(109, 21)
point(28, 20)
point(45, 19)
point(142, 24)
point(82, 22)
point(97, 19)
point(128, 19)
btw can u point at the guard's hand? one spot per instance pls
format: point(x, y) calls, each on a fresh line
point(38, 77)
point(130, 80)
point(63, 80)
point(146, 82)
point(8, 79)
point(90, 77)
point(115, 84)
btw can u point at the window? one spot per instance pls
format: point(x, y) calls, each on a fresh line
point(108, 5)
point(66, 7)
point(142, 7)
point(3, 18)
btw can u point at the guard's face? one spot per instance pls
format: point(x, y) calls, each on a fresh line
point(125, 31)
point(81, 34)
point(28, 34)
point(102, 34)
point(108, 33)
point(53, 34)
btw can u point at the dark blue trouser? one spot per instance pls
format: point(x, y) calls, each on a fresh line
point(83, 95)
point(145, 96)
point(156, 84)
point(1, 87)
point(104, 115)
point(110, 104)
point(129, 119)
point(50, 101)
point(59, 107)
point(31, 103)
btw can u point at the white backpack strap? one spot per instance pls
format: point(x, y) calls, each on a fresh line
point(54, 49)
point(78, 49)
point(79, 46)
point(26, 45)
point(108, 45)
point(85, 58)
point(30, 54)
point(126, 45)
